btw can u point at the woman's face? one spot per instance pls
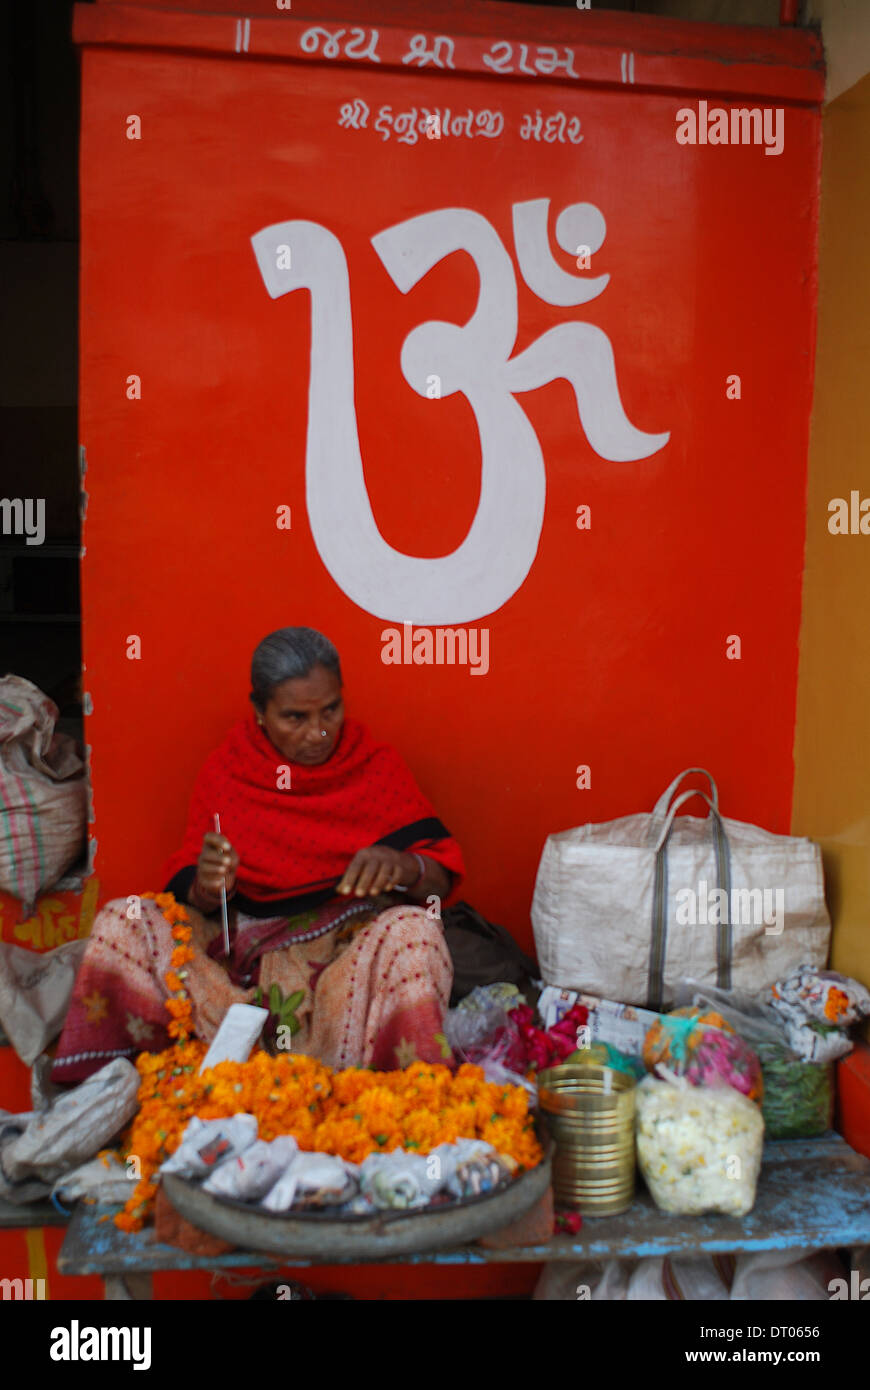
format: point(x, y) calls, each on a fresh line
point(300, 712)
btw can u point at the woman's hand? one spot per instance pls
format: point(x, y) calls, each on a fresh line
point(216, 867)
point(378, 869)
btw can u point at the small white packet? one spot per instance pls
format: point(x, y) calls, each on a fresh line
point(240, 1028)
point(470, 1166)
point(451, 1156)
point(98, 1180)
point(806, 1043)
point(400, 1181)
point(206, 1143)
point(251, 1175)
point(316, 1179)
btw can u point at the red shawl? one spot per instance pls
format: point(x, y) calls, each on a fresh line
point(297, 843)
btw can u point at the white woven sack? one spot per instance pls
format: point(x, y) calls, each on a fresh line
point(594, 906)
point(43, 793)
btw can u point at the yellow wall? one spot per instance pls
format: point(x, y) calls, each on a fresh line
point(832, 735)
point(832, 740)
point(846, 36)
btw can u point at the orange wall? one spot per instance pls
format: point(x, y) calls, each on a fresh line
point(612, 650)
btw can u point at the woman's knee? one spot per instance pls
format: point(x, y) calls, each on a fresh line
point(423, 918)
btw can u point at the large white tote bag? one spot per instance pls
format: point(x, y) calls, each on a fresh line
point(626, 909)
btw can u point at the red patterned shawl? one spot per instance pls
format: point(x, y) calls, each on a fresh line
point(296, 843)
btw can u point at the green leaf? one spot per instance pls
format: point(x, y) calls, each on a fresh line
point(295, 999)
point(294, 1025)
point(275, 999)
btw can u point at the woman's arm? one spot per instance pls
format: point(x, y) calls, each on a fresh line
point(216, 867)
point(435, 881)
point(380, 869)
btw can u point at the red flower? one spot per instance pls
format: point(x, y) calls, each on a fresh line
point(567, 1223)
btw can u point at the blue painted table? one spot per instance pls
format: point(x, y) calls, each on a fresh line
point(812, 1194)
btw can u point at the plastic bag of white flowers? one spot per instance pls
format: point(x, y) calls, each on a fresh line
point(698, 1147)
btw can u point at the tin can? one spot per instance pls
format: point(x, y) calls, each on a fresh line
point(589, 1111)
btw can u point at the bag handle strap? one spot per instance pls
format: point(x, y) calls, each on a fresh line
point(664, 801)
point(658, 943)
point(665, 832)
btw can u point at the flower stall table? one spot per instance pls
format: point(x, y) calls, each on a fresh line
point(813, 1194)
point(15, 1217)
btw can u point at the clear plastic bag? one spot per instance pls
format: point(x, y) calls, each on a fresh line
point(699, 1148)
point(798, 1095)
point(703, 1047)
point(503, 994)
point(793, 1013)
point(471, 1033)
point(747, 1014)
point(484, 1037)
point(798, 1098)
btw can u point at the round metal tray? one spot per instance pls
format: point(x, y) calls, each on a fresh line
point(331, 1239)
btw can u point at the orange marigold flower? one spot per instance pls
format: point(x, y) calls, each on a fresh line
point(125, 1222)
point(348, 1085)
point(378, 1108)
point(513, 1102)
point(836, 1004)
point(351, 1113)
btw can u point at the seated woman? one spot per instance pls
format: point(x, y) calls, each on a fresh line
point(326, 845)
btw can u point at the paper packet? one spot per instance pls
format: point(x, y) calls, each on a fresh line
point(207, 1143)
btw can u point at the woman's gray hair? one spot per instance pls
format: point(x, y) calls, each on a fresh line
point(289, 654)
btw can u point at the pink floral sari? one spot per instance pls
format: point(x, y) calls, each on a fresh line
point(375, 985)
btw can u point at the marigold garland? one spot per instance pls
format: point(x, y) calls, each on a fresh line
point(178, 1004)
point(349, 1113)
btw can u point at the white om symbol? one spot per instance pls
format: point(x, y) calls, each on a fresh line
point(495, 557)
